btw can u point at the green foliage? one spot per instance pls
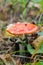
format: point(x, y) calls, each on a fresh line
point(1, 63)
point(23, 2)
point(36, 1)
point(40, 47)
point(40, 33)
point(28, 64)
point(39, 63)
point(14, 2)
point(31, 50)
point(39, 2)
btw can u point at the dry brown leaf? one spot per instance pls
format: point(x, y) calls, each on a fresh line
point(37, 41)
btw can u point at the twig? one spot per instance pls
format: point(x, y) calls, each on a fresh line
point(35, 20)
point(34, 61)
point(40, 18)
point(3, 59)
point(21, 56)
point(35, 52)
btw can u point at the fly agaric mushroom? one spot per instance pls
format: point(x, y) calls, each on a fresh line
point(22, 28)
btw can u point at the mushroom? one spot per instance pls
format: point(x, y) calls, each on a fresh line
point(22, 28)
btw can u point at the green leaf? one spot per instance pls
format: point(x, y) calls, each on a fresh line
point(39, 63)
point(1, 63)
point(30, 49)
point(24, 13)
point(41, 48)
point(41, 2)
point(36, 1)
point(28, 64)
point(23, 2)
point(40, 33)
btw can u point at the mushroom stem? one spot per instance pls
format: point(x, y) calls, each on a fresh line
point(21, 47)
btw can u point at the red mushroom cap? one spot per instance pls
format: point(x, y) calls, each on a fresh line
point(22, 28)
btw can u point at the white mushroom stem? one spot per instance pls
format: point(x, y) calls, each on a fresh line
point(21, 47)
